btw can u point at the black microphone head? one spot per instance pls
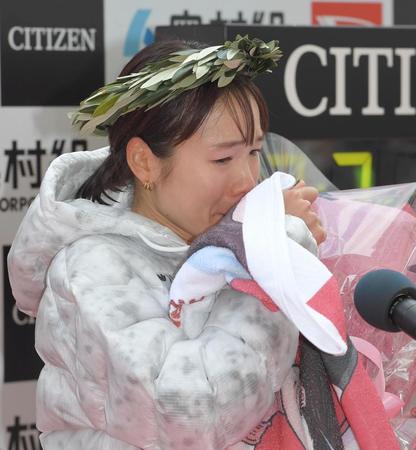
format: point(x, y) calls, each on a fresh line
point(376, 293)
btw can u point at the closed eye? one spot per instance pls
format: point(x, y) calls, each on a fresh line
point(253, 152)
point(223, 160)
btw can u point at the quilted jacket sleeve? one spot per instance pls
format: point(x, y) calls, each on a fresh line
point(213, 390)
point(133, 374)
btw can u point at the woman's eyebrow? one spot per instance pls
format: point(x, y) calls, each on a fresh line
point(227, 144)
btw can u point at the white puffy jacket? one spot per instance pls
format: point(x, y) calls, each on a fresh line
point(118, 374)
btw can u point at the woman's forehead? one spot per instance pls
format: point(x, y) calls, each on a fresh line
point(227, 123)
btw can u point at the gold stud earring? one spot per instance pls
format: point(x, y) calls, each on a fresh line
point(148, 185)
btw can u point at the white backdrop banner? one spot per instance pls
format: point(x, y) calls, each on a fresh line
point(131, 27)
point(32, 138)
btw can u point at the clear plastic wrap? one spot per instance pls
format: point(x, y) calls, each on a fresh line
point(370, 229)
point(278, 153)
point(367, 229)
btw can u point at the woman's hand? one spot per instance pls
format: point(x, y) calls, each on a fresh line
point(298, 201)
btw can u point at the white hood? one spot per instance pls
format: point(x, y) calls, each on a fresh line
point(55, 219)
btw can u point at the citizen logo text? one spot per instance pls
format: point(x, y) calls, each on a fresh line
point(52, 39)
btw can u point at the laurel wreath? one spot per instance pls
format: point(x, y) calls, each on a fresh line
point(160, 82)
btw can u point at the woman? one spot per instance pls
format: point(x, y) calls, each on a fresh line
point(95, 254)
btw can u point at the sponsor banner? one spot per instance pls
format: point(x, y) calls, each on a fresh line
point(32, 138)
point(52, 52)
point(19, 333)
point(332, 81)
point(19, 417)
point(362, 163)
point(347, 13)
point(130, 28)
point(404, 12)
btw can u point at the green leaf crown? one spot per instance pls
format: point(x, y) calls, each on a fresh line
point(160, 82)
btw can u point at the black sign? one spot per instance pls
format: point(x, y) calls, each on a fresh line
point(332, 82)
point(404, 12)
point(20, 359)
point(52, 51)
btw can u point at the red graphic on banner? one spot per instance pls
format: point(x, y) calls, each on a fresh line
point(344, 14)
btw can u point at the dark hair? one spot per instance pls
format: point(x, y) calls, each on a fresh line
point(168, 125)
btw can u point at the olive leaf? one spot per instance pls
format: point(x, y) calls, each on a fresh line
point(233, 64)
point(201, 71)
point(186, 82)
point(208, 58)
point(181, 73)
point(224, 81)
point(161, 76)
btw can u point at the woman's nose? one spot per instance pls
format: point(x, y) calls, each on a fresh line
point(244, 181)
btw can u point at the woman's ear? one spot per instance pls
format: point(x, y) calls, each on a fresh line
point(144, 164)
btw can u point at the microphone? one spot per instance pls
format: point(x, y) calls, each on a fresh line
point(386, 299)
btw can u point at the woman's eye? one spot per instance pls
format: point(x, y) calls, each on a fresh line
point(255, 151)
point(222, 160)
